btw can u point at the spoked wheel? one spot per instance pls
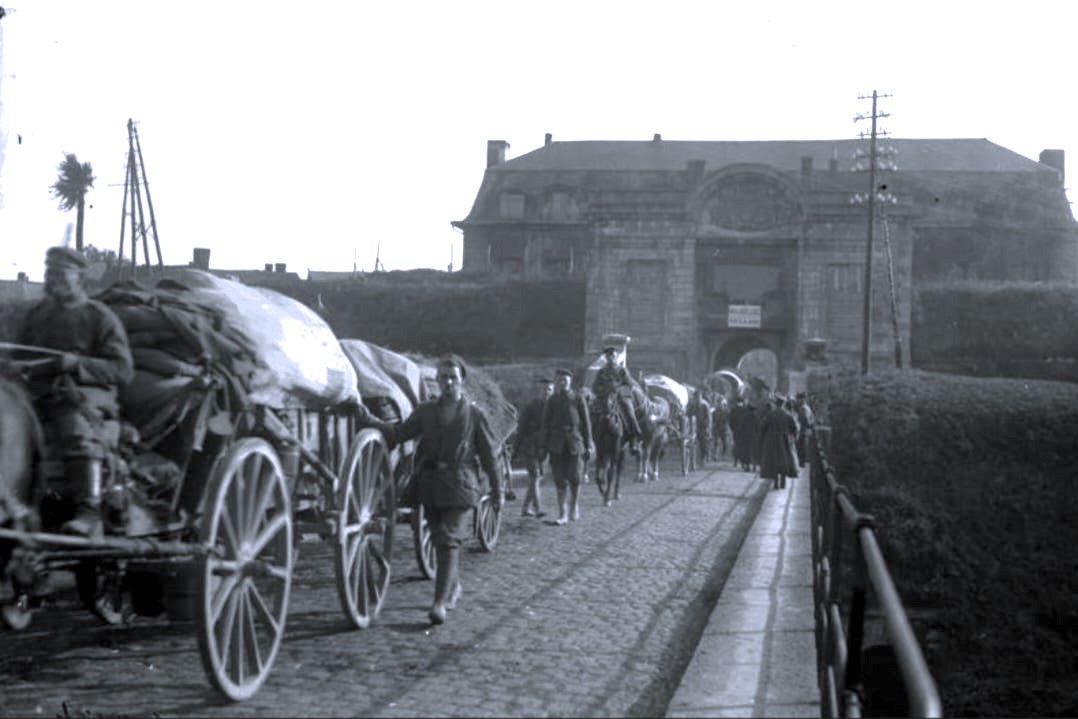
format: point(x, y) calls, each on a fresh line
point(425, 554)
point(367, 507)
point(245, 579)
point(488, 520)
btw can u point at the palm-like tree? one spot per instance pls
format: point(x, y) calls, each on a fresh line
point(74, 181)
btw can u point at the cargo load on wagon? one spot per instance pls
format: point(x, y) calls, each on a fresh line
point(265, 347)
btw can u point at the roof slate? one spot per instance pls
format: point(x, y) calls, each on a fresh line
point(913, 155)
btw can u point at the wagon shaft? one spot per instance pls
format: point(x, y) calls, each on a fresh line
point(116, 546)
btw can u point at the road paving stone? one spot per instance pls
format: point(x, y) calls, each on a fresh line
point(595, 618)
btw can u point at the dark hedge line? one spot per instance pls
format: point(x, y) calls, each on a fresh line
point(433, 313)
point(997, 329)
point(972, 484)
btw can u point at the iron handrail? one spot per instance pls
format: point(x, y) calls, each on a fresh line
point(838, 528)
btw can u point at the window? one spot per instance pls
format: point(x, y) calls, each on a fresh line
point(745, 284)
point(845, 278)
point(511, 206)
point(559, 205)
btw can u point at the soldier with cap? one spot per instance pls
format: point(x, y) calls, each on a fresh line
point(455, 441)
point(528, 445)
point(77, 395)
point(612, 378)
point(567, 437)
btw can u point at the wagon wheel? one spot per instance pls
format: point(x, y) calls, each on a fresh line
point(245, 579)
point(366, 513)
point(488, 519)
point(425, 555)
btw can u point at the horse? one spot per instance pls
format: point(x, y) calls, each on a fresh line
point(653, 415)
point(611, 446)
point(21, 445)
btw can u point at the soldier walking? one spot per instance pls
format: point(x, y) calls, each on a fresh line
point(454, 442)
point(567, 437)
point(529, 447)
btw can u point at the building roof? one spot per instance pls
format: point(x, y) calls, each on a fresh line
point(913, 155)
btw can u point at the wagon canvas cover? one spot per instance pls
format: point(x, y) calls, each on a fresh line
point(269, 348)
point(381, 372)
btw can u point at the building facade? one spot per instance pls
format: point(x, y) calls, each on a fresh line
point(708, 252)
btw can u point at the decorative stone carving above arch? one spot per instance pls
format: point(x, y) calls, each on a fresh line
point(746, 198)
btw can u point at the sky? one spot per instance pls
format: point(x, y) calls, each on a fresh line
point(328, 135)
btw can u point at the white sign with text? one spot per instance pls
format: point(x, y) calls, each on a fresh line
point(747, 316)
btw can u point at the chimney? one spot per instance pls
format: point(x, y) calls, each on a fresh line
point(547, 140)
point(806, 170)
point(832, 164)
point(694, 171)
point(496, 152)
point(201, 258)
point(23, 278)
point(280, 267)
point(268, 267)
point(657, 138)
point(1054, 158)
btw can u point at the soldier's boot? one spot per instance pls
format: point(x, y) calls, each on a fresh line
point(444, 581)
point(628, 414)
point(84, 479)
point(563, 509)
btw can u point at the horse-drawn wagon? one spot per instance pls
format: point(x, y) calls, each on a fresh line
point(229, 447)
point(680, 426)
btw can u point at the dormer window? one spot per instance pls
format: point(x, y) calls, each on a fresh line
point(511, 206)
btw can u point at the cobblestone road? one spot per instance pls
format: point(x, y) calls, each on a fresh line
point(595, 618)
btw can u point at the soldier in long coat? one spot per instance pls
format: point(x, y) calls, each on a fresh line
point(568, 439)
point(743, 427)
point(776, 440)
point(455, 441)
point(529, 446)
point(77, 396)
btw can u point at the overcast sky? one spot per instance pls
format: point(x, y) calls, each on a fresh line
point(311, 133)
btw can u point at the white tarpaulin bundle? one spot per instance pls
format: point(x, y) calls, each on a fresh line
point(381, 372)
point(659, 385)
point(303, 361)
point(278, 351)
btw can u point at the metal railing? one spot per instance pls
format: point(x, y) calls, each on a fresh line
point(849, 571)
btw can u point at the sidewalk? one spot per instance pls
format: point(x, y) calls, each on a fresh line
point(757, 656)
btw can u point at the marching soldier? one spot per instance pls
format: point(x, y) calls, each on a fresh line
point(455, 441)
point(567, 437)
point(529, 446)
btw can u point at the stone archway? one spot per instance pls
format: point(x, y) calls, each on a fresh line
point(750, 354)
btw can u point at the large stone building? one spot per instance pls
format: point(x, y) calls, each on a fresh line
point(704, 252)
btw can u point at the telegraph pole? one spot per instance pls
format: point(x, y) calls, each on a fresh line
point(135, 185)
point(872, 155)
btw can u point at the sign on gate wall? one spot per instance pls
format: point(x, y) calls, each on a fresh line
point(744, 316)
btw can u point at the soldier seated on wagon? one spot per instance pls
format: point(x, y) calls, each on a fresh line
point(76, 396)
point(613, 378)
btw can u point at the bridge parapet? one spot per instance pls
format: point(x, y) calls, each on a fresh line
point(849, 574)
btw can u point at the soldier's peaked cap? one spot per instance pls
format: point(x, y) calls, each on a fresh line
point(65, 257)
point(452, 360)
point(543, 379)
point(564, 372)
point(609, 348)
